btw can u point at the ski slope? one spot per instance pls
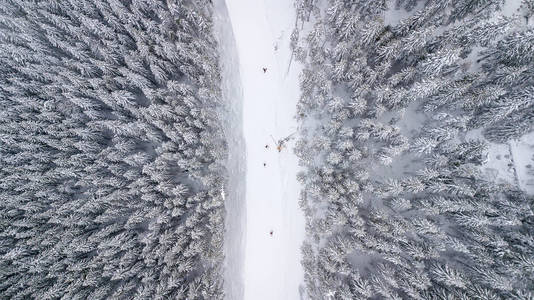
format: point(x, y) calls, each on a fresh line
point(234, 191)
point(271, 267)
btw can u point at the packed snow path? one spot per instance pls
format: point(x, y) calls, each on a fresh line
point(262, 29)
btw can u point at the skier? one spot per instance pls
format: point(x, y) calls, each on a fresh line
point(271, 233)
point(264, 164)
point(264, 70)
point(280, 143)
point(266, 146)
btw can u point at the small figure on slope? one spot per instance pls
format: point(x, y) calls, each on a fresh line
point(281, 143)
point(264, 70)
point(271, 233)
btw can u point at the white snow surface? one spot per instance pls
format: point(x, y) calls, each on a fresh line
point(271, 266)
point(234, 190)
point(523, 155)
point(509, 163)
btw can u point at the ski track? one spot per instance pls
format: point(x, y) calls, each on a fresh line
point(271, 268)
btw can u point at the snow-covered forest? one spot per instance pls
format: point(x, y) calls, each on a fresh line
point(267, 149)
point(401, 103)
point(111, 151)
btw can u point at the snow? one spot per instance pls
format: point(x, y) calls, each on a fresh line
point(394, 15)
point(271, 264)
point(499, 166)
point(234, 193)
point(523, 158)
point(509, 163)
point(511, 7)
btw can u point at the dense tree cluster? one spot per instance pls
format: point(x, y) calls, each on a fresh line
point(110, 150)
point(394, 202)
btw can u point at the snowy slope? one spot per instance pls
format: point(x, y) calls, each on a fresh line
point(234, 193)
point(272, 267)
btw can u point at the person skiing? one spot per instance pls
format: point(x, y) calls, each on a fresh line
point(264, 70)
point(271, 233)
point(281, 142)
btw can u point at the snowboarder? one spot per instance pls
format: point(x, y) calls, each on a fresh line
point(264, 70)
